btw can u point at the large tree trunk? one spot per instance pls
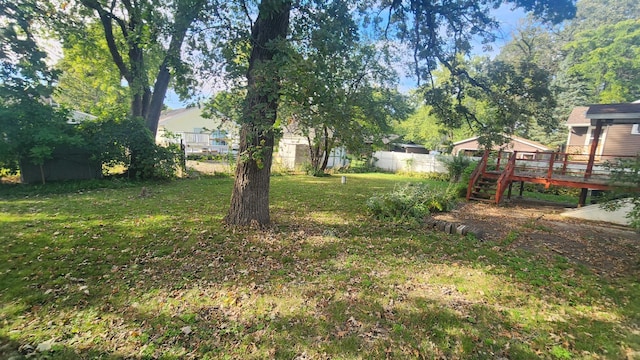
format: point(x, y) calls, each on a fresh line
point(327, 150)
point(157, 99)
point(314, 153)
point(250, 196)
point(185, 17)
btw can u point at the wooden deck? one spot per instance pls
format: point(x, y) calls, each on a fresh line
point(495, 174)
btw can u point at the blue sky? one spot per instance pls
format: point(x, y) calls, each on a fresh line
point(508, 19)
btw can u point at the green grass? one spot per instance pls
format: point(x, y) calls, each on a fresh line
point(106, 273)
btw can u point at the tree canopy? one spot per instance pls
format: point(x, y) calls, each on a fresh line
point(338, 89)
point(607, 61)
point(149, 43)
point(89, 80)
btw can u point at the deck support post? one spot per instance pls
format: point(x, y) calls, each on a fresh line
point(592, 158)
point(583, 197)
point(521, 189)
point(594, 147)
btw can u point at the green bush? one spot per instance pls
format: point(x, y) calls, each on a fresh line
point(463, 183)
point(627, 172)
point(456, 165)
point(31, 131)
point(412, 202)
point(127, 141)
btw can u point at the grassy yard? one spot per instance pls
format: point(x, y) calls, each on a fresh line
point(108, 273)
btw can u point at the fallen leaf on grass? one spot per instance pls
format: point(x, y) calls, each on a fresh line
point(45, 346)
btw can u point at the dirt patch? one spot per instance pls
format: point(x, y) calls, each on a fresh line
point(607, 249)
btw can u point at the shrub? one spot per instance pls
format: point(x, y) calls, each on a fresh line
point(463, 183)
point(456, 166)
point(412, 202)
point(553, 189)
point(309, 169)
point(127, 141)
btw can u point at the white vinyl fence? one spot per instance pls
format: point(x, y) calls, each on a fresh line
point(407, 162)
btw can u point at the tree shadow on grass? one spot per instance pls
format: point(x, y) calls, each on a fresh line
point(338, 274)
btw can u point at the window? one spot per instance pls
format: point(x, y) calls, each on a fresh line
point(635, 129)
point(218, 137)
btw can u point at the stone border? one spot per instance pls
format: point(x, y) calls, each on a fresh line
point(453, 228)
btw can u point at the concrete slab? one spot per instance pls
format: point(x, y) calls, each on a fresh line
point(597, 213)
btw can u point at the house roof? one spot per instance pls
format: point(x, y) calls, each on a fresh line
point(409, 145)
point(512, 138)
point(76, 117)
point(628, 113)
point(187, 119)
point(578, 117)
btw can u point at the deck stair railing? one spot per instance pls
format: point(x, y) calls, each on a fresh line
point(483, 184)
point(505, 178)
point(494, 175)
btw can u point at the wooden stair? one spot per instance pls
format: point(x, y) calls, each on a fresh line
point(484, 190)
point(489, 186)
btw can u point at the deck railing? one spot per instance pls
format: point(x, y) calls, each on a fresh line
point(547, 168)
point(505, 177)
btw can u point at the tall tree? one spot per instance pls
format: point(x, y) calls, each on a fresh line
point(30, 129)
point(607, 60)
point(573, 88)
point(135, 29)
point(337, 89)
point(437, 32)
point(591, 14)
point(250, 196)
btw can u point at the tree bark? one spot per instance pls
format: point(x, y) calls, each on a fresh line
point(250, 196)
point(145, 102)
point(327, 150)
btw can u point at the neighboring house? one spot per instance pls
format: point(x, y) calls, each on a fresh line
point(196, 133)
point(526, 149)
point(620, 134)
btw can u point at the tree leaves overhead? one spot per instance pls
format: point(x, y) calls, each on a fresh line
point(24, 70)
point(439, 31)
point(337, 89)
point(89, 80)
point(489, 97)
point(501, 99)
point(607, 59)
